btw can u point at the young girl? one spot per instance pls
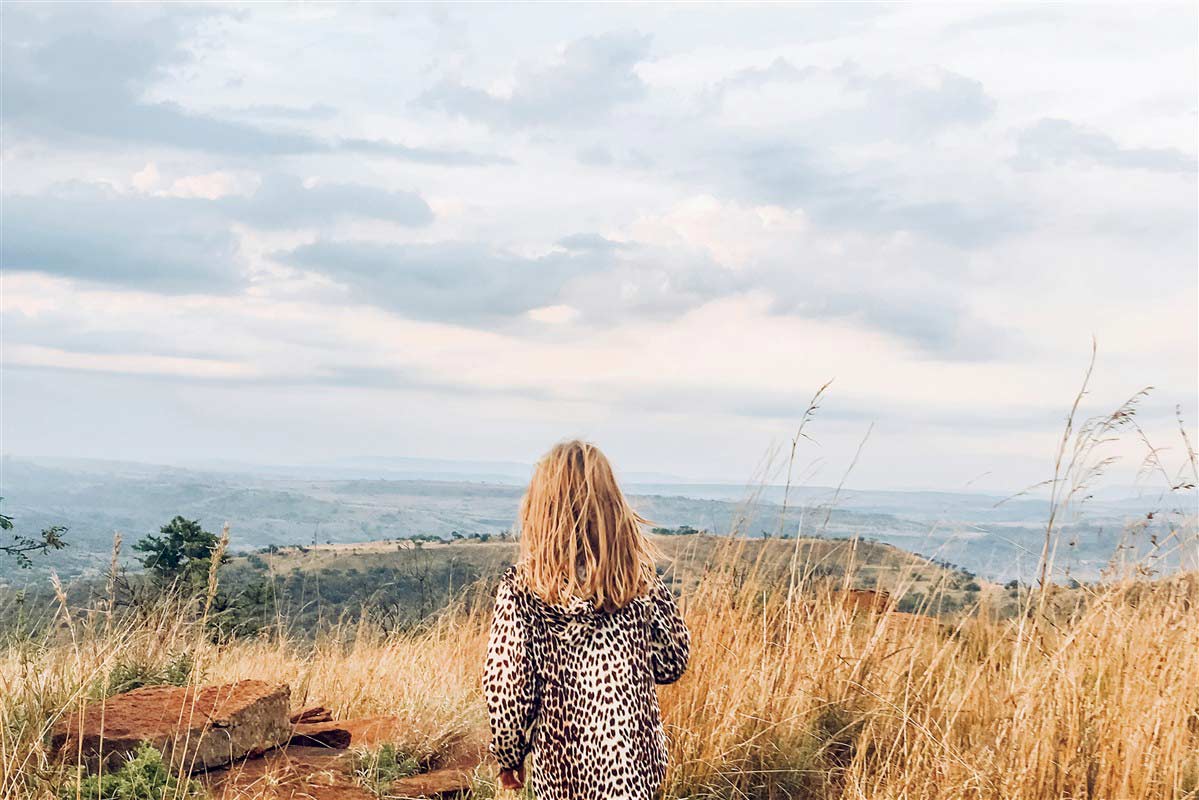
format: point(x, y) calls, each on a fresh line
point(583, 629)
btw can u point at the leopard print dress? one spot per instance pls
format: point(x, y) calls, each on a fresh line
point(574, 686)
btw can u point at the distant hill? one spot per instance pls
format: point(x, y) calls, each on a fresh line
point(400, 582)
point(268, 506)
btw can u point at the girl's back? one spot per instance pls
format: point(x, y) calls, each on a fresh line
point(573, 682)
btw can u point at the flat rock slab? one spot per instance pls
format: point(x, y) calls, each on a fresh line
point(321, 734)
point(360, 732)
point(313, 714)
point(305, 772)
point(294, 772)
point(194, 727)
point(298, 772)
point(454, 780)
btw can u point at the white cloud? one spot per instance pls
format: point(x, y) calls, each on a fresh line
point(664, 228)
point(211, 186)
point(554, 315)
point(147, 178)
point(734, 235)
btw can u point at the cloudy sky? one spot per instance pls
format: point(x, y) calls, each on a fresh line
point(295, 234)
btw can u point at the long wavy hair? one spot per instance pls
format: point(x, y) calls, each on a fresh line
point(579, 537)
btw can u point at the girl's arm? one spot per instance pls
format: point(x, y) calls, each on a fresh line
point(670, 641)
point(509, 681)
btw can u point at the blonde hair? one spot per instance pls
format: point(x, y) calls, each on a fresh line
point(578, 535)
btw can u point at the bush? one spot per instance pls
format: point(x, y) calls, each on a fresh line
point(129, 675)
point(375, 770)
point(684, 530)
point(143, 777)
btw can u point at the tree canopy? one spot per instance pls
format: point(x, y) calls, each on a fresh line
point(182, 551)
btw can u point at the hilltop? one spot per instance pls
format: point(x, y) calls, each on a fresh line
point(398, 582)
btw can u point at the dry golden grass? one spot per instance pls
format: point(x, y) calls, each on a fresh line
point(1100, 700)
point(789, 694)
point(428, 677)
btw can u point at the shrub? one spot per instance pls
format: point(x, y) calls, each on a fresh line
point(145, 776)
point(126, 676)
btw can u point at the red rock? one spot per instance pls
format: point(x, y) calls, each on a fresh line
point(298, 772)
point(454, 780)
point(288, 773)
point(374, 731)
point(313, 714)
point(194, 727)
point(321, 734)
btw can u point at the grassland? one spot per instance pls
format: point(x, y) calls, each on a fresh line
point(1092, 693)
point(984, 693)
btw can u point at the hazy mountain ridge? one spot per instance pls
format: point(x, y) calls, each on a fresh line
point(996, 538)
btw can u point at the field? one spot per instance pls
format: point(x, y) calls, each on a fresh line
point(790, 694)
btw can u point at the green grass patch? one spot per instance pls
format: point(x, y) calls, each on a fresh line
point(178, 670)
point(145, 776)
point(376, 769)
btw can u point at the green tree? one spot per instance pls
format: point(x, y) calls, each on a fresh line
point(182, 552)
point(19, 547)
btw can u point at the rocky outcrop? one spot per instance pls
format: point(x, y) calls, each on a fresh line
point(298, 772)
point(302, 771)
point(214, 732)
point(196, 728)
point(321, 734)
point(312, 714)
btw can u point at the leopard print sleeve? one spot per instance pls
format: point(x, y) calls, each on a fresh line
point(670, 641)
point(510, 680)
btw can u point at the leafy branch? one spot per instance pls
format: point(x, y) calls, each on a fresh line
point(20, 547)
